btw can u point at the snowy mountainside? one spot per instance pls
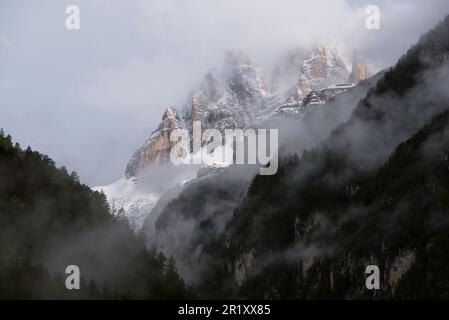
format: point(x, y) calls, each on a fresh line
point(138, 195)
point(233, 96)
point(323, 68)
point(156, 150)
point(126, 194)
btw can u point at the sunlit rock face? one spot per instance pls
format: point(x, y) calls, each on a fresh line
point(237, 96)
point(234, 95)
point(360, 69)
point(156, 150)
point(322, 68)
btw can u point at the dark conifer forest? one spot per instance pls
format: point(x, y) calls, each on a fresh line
point(375, 191)
point(49, 220)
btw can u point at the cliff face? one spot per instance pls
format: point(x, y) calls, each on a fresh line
point(351, 203)
point(359, 71)
point(321, 68)
point(236, 96)
point(232, 97)
point(156, 150)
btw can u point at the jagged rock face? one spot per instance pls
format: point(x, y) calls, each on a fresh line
point(324, 95)
point(236, 96)
point(246, 83)
point(359, 70)
point(233, 97)
point(312, 98)
point(359, 73)
point(156, 150)
point(322, 68)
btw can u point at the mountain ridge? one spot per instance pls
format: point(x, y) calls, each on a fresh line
point(370, 194)
point(236, 96)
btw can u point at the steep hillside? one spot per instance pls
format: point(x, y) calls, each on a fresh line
point(234, 96)
point(310, 230)
point(185, 221)
point(49, 220)
point(317, 236)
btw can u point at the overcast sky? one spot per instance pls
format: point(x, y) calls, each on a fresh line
point(89, 98)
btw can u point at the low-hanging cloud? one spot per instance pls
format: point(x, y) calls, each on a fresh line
point(88, 98)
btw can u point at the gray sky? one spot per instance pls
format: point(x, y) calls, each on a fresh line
point(89, 98)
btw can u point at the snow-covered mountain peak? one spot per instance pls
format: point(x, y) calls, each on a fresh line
point(322, 68)
point(234, 96)
point(156, 150)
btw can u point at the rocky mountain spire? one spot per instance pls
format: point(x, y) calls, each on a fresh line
point(156, 150)
point(229, 97)
point(359, 69)
point(322, 68)
point(236, 96)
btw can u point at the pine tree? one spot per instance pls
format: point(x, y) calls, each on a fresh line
point(121, 215)
point(175, 285)
point(29, 178)
point(93, 291)
point(75, 177)
point(161, 259)
point(113, 209)
point(64, 170)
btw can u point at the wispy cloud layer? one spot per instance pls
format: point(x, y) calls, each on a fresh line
point(89, 97)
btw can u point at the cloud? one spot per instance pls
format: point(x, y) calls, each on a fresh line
point(111, 79)
point(130, 87)
point(5, 43)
